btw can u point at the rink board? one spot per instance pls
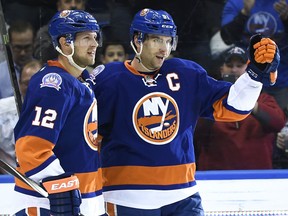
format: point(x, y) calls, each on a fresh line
point(224, 193)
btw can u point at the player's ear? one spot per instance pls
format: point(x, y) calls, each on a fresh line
point(63, 42)
point(136, 41)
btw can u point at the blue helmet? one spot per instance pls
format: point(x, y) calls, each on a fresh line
point(69, 22)
point(148, 21)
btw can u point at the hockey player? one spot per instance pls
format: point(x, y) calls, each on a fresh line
point(57, 129)
point(147, 124)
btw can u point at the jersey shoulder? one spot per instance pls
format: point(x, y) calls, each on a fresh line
point(182, 65)
point(108, 71)
point(51, 80)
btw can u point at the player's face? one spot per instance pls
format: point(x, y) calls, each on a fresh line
point(156, 49)
point(85, 48)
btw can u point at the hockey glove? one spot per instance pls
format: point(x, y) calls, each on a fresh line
point(64, 195)
point(264, 59)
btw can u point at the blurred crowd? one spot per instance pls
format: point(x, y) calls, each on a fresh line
point(213, 33)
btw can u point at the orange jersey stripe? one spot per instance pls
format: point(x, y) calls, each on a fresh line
point(32, 151)
point(55, 63)
point(32, 211)
point(110, 209)
point(22, 184)
point(225, 115)
point(133, 70)
point(90, 182)
point(141, 175)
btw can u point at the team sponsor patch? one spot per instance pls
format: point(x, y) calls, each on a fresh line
point(51, 80)
point(156, 118)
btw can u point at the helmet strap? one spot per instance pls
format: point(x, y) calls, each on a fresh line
point(69, 57)
point(138, 57)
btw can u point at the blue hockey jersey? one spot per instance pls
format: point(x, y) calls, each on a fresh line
point(56, 133)
point(147, 124)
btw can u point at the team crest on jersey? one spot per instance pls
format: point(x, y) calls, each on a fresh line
point(91, 126)
point(156, 118)
point(51, 80)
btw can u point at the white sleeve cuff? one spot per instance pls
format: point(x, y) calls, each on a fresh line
point(244, 93)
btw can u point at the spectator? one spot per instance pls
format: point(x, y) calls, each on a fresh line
point(280, 157)
point(194, 33)
point(148, 108)
point(243, 18)
point(245, 144)
point(113, 51)
point(36, 12)
point(21, 35)
point(9, 116)
point(8, 119)
point(27, 72)
point(43, 48)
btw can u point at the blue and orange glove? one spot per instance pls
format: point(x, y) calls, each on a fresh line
point(264, 57)
point(64, 195)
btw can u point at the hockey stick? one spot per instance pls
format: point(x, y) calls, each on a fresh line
point(8, 55)
point(8, 168)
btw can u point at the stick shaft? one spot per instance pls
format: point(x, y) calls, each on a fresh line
point(8, 168)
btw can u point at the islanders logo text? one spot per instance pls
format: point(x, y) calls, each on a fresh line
point(156, 118)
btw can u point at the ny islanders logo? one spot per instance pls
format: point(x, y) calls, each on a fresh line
point(156, 118)
point(91, 127)
point(263, 23)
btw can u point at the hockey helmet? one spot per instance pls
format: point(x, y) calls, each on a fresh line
point(69, 22)
point(148, 21)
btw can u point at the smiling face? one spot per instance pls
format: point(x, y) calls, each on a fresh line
point(156, 49)
point(85, 48)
